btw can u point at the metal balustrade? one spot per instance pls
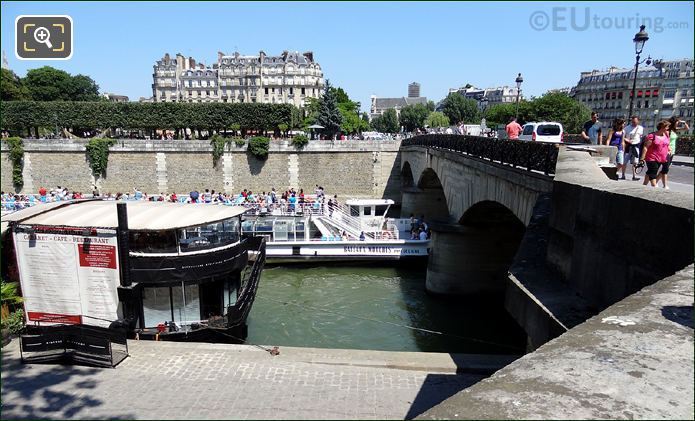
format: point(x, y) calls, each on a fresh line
point(532, 156)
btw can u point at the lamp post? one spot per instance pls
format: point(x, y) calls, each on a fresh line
point(519, 81)
point(483, 123)
point(656, 118)
point(640, 39)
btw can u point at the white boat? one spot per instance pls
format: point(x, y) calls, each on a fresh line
point(355, 231)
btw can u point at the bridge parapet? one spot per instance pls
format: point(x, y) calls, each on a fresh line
point(530, 155)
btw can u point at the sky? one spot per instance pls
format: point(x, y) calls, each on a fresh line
point(367, 48)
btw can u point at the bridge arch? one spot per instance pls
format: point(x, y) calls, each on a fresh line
point(426, 198)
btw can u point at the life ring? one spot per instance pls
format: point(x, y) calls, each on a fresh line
point(387, 235)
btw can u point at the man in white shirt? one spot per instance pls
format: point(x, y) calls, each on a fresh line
point(633, 138)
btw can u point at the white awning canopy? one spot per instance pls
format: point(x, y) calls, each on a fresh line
point(142, 216)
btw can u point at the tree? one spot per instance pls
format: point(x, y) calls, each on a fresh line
point(500, 113)
point(430, 105)
point(460, 109)
point(387, 123)
point(12, 86)
point(47, 84)
point(329, 115)
point(554, 106)
point(437, 119)
point(413, 116)
point(81, 88)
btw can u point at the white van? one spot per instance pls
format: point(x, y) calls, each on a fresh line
point(544, 131)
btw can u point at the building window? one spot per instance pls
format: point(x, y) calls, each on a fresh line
point(291, 91)
point(303, 93)
point(266, 91)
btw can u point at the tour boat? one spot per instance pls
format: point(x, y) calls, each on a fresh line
point(355, 231)
point(160, 271)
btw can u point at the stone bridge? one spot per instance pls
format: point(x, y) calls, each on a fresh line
point(543, 224)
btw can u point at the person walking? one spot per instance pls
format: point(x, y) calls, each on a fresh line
point(513, 129)
point(591, 130)
point(676, 125)
point(633, 139)
point(655, 153)
point(616, 138)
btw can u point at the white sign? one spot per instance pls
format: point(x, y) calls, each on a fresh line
point(68, 278)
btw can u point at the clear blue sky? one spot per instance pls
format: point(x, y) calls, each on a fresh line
point(366, 48)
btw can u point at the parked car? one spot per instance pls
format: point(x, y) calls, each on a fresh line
point(544, 131)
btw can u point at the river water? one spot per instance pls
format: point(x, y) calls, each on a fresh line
point(378, 308)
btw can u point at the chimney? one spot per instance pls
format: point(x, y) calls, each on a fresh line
point(309, 55)
point(191, 62)
point(167, 58)
point(219, 56)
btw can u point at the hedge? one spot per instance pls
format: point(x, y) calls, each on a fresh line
point(137, 115)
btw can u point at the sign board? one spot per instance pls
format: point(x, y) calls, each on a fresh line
point(68, 279)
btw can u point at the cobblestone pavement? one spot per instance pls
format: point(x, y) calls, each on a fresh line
point(213, 381)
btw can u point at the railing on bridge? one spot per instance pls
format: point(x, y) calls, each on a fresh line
point(533, 156)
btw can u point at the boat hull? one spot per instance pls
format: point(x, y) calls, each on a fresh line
point(346, 251)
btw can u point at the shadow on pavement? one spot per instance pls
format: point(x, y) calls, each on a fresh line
point(683, 315)
point(436, 389)
point(29, 391)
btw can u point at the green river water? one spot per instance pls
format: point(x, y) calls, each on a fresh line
point(369, 308)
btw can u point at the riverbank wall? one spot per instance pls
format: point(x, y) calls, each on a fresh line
point(346, 168)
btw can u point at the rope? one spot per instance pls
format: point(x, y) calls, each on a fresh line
point(272, 351)
point(419, 329)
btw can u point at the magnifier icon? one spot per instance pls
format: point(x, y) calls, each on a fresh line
point(43, 36)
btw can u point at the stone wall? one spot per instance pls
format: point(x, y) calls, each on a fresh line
point(349, 168)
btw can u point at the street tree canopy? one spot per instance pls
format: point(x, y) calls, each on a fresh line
point(413, 116)
point(460, 109)
point(553, 106)
point(12, 86)
point(387, 123)
point(50, 84)
point(436, 119)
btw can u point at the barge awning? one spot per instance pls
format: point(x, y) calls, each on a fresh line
point(142, 216)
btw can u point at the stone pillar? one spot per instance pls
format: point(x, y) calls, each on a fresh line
point(468, 260)
point(293, 169)
point(428, 202)
point(27, 177)
point(162, 177)
point(228, 172)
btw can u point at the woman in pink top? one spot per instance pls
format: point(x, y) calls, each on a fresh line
point(655, 152)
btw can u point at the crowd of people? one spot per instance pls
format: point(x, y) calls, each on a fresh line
point(290, 201)
point(655, 150)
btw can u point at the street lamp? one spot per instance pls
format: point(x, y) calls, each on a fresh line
point(483, 123)
point(640, 39)
point(656, 118)
point(519, 81)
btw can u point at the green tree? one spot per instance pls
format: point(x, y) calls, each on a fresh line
point(560, 107)
point(460, 109)
point(387, 123)
point(47, 84)
point(500, 113)
point(82, 88)
point(430, 105)
point(12, 87)
point(329, 115)
point(413, 116)
point(436, 119)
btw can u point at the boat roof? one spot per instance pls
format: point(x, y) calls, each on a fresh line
point(142, 216)
point(368, 202)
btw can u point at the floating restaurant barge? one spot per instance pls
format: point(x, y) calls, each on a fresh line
point(160, 271)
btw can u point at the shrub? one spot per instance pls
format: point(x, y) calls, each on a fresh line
point(17, 157)
point(218, 143)
point(239, 142)
point(258, 147)
point(14, 322)
point(98, 155)
point(300, 141)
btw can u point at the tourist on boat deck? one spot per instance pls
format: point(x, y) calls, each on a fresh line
point(362, 236)
point(423, 234)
